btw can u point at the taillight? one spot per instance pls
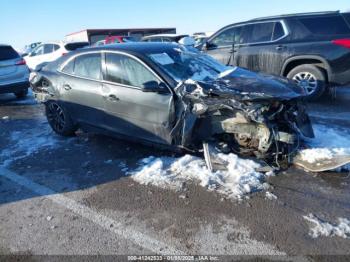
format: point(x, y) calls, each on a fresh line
point(342, 42)
point(64, 54)
point(21, 62)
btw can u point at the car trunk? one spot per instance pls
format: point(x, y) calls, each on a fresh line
point(9, 68)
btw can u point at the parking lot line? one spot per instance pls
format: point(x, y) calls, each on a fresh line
point(119, 227)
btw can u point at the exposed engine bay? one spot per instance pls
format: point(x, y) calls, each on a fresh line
point(271, 130)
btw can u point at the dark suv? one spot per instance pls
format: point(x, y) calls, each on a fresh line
point(313, 49)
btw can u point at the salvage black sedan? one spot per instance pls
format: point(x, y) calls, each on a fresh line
point(174, 96)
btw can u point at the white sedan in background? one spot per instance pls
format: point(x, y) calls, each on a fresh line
point(49, 52)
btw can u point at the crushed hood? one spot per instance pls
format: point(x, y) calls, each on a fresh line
point(242, 84)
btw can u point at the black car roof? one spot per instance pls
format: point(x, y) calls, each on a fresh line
point(296, 15)
point(284, 16)
point(137, 47)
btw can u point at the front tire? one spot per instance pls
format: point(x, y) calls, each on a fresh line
point(59, 119)
point(311, 78)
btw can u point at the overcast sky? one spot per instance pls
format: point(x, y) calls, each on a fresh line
point(23, 22)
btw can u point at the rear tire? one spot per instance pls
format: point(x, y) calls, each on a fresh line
point(59, 119)
point(310, 77)
point(22, 94)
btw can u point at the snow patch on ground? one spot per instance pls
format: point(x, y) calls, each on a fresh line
point(328, 142)
point(240, 178)
point(323, 228)
point(168, 172)
point(27, 142)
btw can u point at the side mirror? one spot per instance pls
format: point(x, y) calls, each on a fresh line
point(207, 46)
point(154, 86)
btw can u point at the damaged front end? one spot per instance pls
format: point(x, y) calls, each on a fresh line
point(227, 120)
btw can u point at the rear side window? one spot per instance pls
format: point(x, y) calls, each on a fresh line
point(278, 32)
point(125, 70)
point(48, 49)
point(330, 25)
point(260, 32)
point(88, 66)
point(166, 40)
point(7, 53)
point(347, 17)
point(155, 40)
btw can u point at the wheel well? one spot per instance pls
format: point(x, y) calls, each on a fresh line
point(299, 62)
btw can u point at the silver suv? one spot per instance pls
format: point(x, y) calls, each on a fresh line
point(14, 73)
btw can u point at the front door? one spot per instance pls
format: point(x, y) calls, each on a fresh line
point(130, 111)
point(223, 46)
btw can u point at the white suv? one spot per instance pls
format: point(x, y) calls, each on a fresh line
point(48, 52)
point(14, 74)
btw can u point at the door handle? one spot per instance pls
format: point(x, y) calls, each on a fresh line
point(280, 47)
point(113, 98)
point(232, 51)
point(67, 87)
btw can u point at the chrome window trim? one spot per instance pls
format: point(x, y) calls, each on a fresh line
point(284, 26)
point(103, 52)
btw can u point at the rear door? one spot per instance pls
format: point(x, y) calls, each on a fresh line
point(262, 48)
point(223, 46)
point(130, 111)
point(81, 88)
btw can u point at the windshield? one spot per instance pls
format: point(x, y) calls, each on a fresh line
point(188, 63)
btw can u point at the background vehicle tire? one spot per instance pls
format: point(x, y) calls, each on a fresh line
point(22, 94)
point(59, 119)
point(312, 78)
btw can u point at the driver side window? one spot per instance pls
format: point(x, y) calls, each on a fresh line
point(125, 70)
point(227, 38)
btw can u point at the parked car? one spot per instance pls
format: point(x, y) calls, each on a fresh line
point(48, 52)
point(200, 41)
point(168, 38)
point(99, 43)
point(162, 93)
point(29, 48)
point(119, 39)
point(14, 74)
point(313, 49)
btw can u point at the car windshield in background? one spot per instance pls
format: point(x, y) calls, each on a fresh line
point(331, 25)
point(7, 53)
point(183, 64)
